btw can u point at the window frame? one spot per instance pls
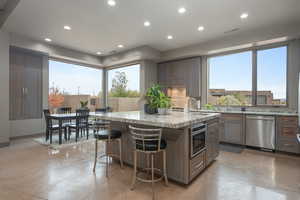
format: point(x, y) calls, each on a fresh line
point(254, 51)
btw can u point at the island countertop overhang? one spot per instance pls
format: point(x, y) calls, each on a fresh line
point(173, 120)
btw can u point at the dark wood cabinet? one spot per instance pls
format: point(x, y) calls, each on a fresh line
point(232, 129)
point(286, 134)
point(25, 84)
point(182, 73)
point(212, 140)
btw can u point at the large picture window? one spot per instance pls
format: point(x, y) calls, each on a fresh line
point(271, 76)
point(124, 88)
point(230, 78)
point(71, 84)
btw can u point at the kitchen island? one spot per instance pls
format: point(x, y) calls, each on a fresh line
point(186, 158)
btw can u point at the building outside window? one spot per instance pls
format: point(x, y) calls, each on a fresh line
point(71, 84)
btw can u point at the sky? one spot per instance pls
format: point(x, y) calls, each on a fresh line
point(72, 78)
point(234, 71)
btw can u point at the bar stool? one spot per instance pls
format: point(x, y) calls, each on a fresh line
point(109, 136)
point(149, 142)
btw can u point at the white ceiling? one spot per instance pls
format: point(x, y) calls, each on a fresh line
point(98, 27)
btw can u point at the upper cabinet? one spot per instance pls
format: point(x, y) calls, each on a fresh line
point(181, 73)
point(25, 84)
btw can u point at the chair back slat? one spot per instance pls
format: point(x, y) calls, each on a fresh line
point(142, 137)
point(82, 117)
point(65, 110)
point(48, 120)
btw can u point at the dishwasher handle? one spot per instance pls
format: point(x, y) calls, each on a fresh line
point(261, 118)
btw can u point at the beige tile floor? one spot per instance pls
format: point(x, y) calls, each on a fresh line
point(31, 171)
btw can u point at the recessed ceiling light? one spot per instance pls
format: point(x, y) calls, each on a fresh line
point(67, 28)
point(181, 10)
point(99, 53)
point(147, 23)
point(244, 15)
point(111, 2)
point(120, 46)
point(201, 28)
point(169, 37)
point(48, 40)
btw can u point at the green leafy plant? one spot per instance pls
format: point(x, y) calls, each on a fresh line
point(156, 98)
point(83, 104)
point(209, 106)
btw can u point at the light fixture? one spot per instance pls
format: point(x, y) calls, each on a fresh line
point(244, 15)
point(99, 53)
point(120, 46)
point(201, 28)
point(147, 23)
point(111, 2)
point(169, 37)
point(67, 28)
point(181, 10)
point(48, 40)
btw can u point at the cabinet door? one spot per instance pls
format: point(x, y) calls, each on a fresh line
point(16, 86)
point(286, 134)
point(233, 129)
point(212, 142)
point(33, 87)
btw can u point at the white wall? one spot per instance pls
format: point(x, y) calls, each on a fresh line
point(4, 88)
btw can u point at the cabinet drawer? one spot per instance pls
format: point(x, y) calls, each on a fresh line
point(197, 164)
point(288, 121)
point(288, 145)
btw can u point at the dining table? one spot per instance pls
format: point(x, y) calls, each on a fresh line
point(65, 117)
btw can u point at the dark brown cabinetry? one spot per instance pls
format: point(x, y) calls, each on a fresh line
point(25, 84)
point(232, 129)
point(212, 140)
point(286, 139)
point(181, 73)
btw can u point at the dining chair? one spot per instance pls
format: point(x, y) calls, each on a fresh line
point(97, 123)
point(52, 127)
point(82, 123)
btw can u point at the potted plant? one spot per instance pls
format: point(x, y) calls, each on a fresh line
point(157, 101)
point(83, 104)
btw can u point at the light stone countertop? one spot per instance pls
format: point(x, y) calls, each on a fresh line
point(172, 120)
point(250, 112)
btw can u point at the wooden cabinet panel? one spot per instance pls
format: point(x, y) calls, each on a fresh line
point(233, 129)
point(25, 84)
point(286, 134)
point(181, 73)
point(197, 165)
point(212, 141)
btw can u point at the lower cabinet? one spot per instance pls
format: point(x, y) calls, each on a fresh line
point(212, 140)
point(197, 165)
point(286, 135)
point(232, 130)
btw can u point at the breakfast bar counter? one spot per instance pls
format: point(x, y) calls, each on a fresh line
point(188, 152)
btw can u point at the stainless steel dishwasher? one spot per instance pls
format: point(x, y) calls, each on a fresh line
point(260, 131)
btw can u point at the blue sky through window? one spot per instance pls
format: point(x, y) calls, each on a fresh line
point(73, 78)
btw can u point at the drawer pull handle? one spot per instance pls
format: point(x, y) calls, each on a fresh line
point(288, 145)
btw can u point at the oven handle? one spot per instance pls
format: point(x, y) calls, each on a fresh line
point(199, 131)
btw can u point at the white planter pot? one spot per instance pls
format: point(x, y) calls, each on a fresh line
point(162, 111)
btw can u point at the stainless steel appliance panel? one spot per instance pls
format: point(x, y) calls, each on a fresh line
point(260, 131)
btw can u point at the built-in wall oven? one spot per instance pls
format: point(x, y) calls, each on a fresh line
point(198, 136)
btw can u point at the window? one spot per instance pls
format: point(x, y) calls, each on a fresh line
point(271, 76)
point(70, 84)
point(230, 79)
point(124, 88)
